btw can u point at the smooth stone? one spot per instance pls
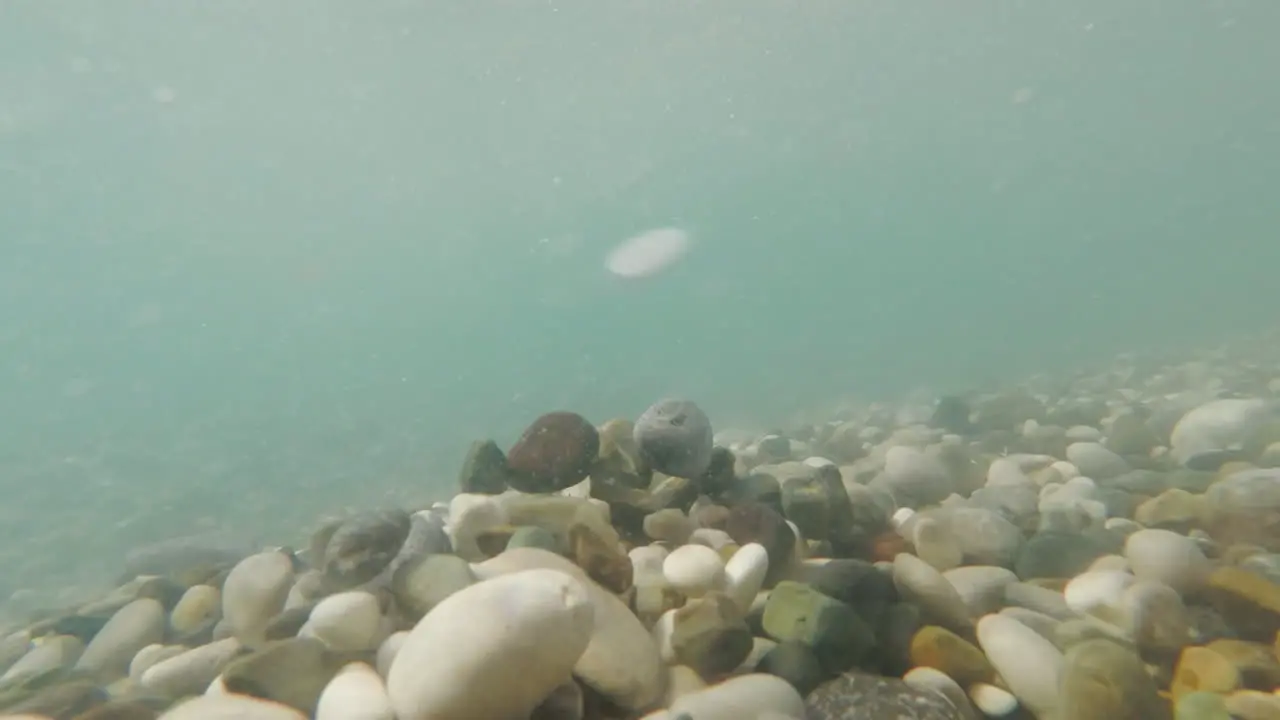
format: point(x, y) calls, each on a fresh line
point(151, 655)
point(1044, 626)
point(1057, 554)
point(757, 522)
point(919, 582)
point(356, 692)
point(388, 650)
point(521, 633)
point(621, 661)
point(1257, 663)
point(1212, 430)
point(1253, 705)
point(1201, 706)
point(1095, 461)
point(231, 707)
point(189, 673)
point(347, 622)
point(740, 697)
point(12, 647)
point(199, 605)
point(254, 592)
point(1156, 618)
point(1200, 668)
point(943, 650)
point(794, 662)
point(554, 453)
point(861, 696)
point(839, 638)
point(292, 672)
point(913, 477)
point(362, 547)
point(745, 573)
point(1098, 593)
point(1041, 600)
point(52, 653)
point(694, 570)
point(981, 586)
point(601, 556)
point(930, 679)
point(935, 545)
point(674, 437)
point(423, 583)
point(709, 635)
point(131, 628)
point(1030, 665)
point(669, 525)
point(993, 701)
point(860, 585)
point(1101, 679)
point(535, 537)
point(1166, 557)
point(484, 469)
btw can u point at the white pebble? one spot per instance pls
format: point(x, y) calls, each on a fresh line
point(1030, 665)
point(388, 650)
point(1098, 593)
point(347, 622)
point(1166, 557)
point(744, 574)
point(992, 701)
point(521, 633)
point(355, 693)
point(254, 592)
point(694, 570)
point(745, 696)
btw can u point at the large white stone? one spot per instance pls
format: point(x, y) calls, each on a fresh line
point(1164, 556)
point(1217, 426)
point(254, 592)
point(1030, 665)
point(493, 650)
point(745, 696)
point(694, 570)
point(347, 622)
point(621, 662)
point(744, 574)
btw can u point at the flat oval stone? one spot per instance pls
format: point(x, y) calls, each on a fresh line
point(495, 649)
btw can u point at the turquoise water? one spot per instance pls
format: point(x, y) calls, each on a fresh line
point(284, 256)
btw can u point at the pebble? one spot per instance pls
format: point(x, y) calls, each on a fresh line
point(131, 628)
point(1029, 664)
point(1166, 557)
point(254, 591)
point(511, 640)
point(347, 622)
point(745, 573)
point(741, 697)
point(674, 437)
point(356, 692)
point(231, 707)
point(694, 570)
point(621, 661)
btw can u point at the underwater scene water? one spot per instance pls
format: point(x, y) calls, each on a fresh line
point(270, 272)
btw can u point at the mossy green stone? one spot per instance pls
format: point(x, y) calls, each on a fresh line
point(838, 637)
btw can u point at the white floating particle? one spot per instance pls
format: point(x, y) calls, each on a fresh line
point(648, 253)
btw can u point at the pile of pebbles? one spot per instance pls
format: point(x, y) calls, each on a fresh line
point(1107, 547)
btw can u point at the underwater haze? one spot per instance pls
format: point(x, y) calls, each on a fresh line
point(260, 261)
